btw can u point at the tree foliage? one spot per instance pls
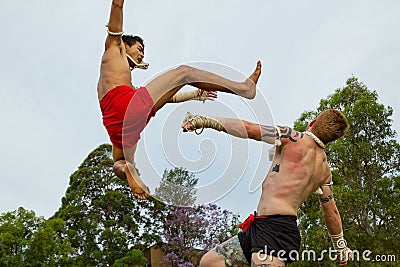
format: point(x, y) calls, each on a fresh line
point(177, 188)
point(133, 258)
point(191, 231)
point(365, 168)
point(103, 219)
point(27, 240)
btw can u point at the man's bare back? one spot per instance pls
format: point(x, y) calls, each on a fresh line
point(298, 169)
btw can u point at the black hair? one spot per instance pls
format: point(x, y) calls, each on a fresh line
point(131, 40)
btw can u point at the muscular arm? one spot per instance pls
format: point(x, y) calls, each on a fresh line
point(242, 129)
point(334, 224)
point(264, 133)
point(115, 23)
point(329, 211)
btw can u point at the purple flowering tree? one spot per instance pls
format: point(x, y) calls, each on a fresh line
point(192, 231)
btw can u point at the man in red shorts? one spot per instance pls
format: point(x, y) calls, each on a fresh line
point(270, 237)
point(126, 110)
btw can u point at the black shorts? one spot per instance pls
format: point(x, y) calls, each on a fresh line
point(275, 235)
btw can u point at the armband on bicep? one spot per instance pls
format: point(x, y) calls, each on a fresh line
point(320, 191)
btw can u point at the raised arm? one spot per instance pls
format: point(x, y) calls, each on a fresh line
point(334, 224)
point(243, 129)
point(115, 24)
point(236, 127)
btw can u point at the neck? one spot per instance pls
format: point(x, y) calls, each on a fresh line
point(316, 139)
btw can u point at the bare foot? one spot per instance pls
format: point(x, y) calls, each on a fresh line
point(139, 189)
point(251, 82)
point(256, 74)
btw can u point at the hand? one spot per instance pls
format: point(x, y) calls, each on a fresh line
point(343, 253)
point(207, 95)
point(343, 256)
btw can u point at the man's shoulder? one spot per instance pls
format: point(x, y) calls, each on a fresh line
point(289, 135)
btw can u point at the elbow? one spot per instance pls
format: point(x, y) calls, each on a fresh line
point(182, 74)
point(252, 130)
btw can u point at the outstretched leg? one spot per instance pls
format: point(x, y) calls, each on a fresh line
point(124, 169)
point(162, 88)
point(229, 253)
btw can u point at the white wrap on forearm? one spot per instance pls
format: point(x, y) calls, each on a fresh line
point(344, 254)
point(198, 94)
point(338, 241)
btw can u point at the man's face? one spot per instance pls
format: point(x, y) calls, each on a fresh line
point(136, 51)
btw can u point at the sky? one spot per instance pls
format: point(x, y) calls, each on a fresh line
point(50, 57)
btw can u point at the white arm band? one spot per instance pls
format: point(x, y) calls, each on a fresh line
point(278, 141)
point(113, 33)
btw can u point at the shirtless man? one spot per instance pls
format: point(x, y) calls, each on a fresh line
point(118, 97)
point(299, 168)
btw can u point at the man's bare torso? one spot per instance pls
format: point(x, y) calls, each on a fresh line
point(297, 170)
point(114, 70)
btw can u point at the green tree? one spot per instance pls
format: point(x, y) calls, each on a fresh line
point(48, 247)
point(365, 168)
point(27, 240)
point(103, 218)
point(16, 231)
point(133, 258)
point(177, 187)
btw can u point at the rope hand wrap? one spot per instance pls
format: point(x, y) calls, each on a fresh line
point(198, 94)
point(340, 245)
point(201, 122)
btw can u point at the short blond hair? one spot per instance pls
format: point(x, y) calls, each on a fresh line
point(330, 125)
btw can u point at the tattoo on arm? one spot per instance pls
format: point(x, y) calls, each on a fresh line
point(286, 132)
point(326, 199)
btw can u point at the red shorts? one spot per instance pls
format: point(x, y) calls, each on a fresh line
point(126, 111)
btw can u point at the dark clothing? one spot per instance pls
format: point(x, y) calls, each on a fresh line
point(273, 235)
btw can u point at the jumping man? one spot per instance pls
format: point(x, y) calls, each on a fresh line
point(126, 110)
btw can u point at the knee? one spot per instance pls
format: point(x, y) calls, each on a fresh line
point(204, 262)
point(207, 260)
point(118, 168)
point(183, 73)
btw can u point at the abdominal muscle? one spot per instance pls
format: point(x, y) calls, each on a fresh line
point(114, 71)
